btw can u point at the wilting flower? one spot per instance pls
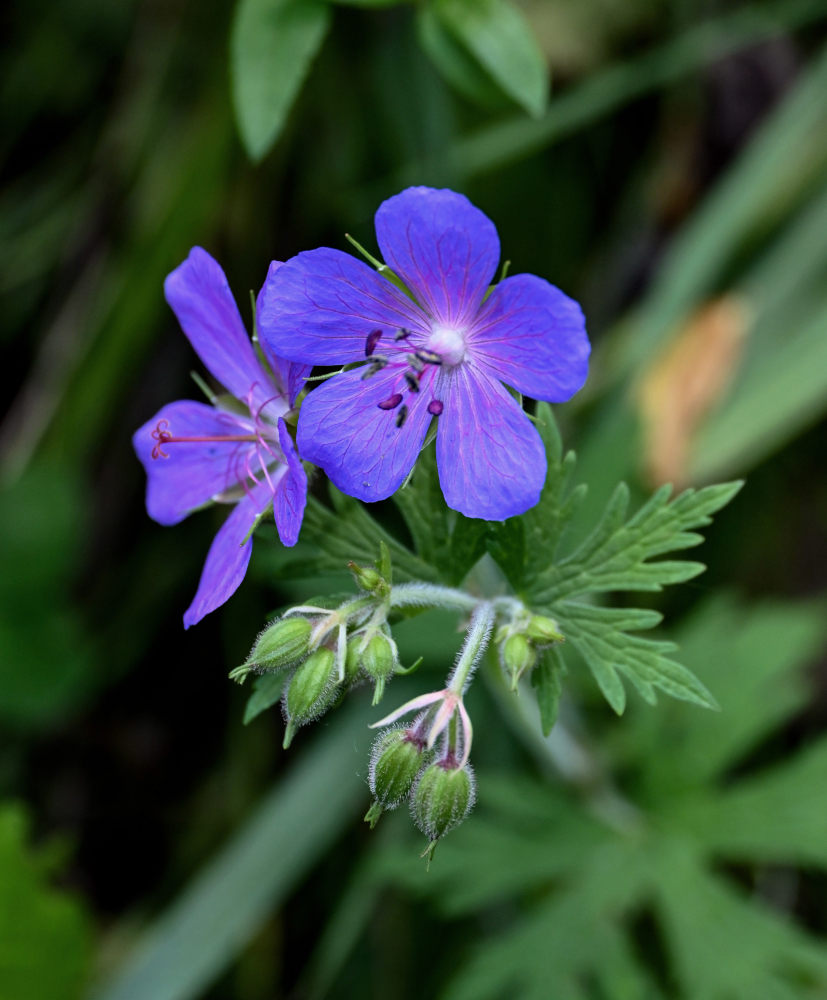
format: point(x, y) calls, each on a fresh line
point(442, 351)
point(237, 450)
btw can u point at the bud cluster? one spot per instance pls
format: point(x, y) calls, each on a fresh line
point(324, 651)
point(328, 650)
point(520, 639)
point(406, 764)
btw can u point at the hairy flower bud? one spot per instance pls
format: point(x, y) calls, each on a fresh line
point(396, 758)
point(379, 661)
point(369, 579)
point(282, 643)
point(518, 656)
point(544, 630)
point(310, 691)
point(442, 799)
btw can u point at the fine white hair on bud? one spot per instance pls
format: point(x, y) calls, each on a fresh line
point(442, 798)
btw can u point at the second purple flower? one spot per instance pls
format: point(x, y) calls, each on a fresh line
point(440, 352)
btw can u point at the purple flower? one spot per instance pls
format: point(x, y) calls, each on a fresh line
point(442, 351)
point(236, 451)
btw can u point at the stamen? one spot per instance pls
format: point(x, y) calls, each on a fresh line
point(377, 364)
point(391, 402)
point(429, 357)
point(373, 339)
point(402, 416)
point(402, 334)
point(413, 382)
point(435, 407)
point(415, 362)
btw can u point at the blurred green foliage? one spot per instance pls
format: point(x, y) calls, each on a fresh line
point(679, 161)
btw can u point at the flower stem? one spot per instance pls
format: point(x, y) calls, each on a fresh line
point(429, 595)
point(476, 642)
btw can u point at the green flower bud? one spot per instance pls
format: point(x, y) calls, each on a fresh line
point(379, 661)
point(395, 761)
point(518, 656)
point(544, 630)
point(367, 578)
point(281, 644)
point(353, 659)
point(310, 692)
point(379, 657)
point(442, 799)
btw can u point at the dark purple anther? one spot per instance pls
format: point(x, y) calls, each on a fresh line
point(413, 382)
point(391, 402)
point(402, 416)
point(435, 407)
point(377, 364)
point(402, 334)
point(373, 339)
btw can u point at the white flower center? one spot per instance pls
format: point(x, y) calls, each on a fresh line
point(448, 343)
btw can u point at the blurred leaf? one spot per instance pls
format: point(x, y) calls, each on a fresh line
point(724, 944)
point(215, 916)
point(759, 684)
point(764, 183)
point(578, 866)
point(495, 146)
point(780, 396)
point(273, 43)
point(775, 817)
point(45, 936)
point(46, 657)
point(526, 815)
point(455, 64)
point(501, 41)
point(266, 692)
point(684, 382)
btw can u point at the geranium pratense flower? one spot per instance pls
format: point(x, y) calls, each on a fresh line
point(442, 351)
point(238, 449)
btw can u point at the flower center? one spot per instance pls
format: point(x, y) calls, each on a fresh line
point(449, 343)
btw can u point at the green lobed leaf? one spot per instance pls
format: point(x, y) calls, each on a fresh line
point(272, 45)
point(600, 636)
point(352, 534)
point(506, 544)
point(496, 34)
point(547, 680)
point(45, 935)
point(469, 539)
point(424, 510)
point(546, 523)
point(615, 556)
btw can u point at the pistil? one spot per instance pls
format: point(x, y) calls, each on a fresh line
point(163, 436)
